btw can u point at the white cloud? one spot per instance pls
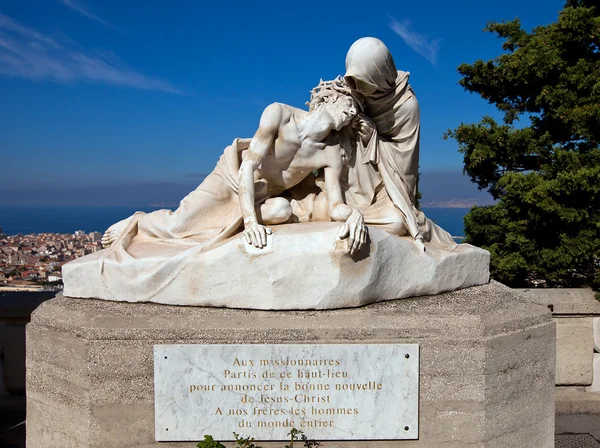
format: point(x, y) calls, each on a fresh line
point(423, 44)
point(81, 9)
point(27, 53)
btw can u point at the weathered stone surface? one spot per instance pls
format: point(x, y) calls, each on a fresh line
point(574, 351)
point(575, 311)
point(487, 364)
point(304, 266)
point(575, 400)
point(579, 301)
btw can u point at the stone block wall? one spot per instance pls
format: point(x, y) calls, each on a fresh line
point(577, 316)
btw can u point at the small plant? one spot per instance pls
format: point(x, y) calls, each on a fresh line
point(310, 443)
point(295, 436)
point(209, 442)
point(245, 442)
point(294, 433)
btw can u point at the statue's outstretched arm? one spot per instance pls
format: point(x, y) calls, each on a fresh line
point(338, 210)
point(264, 137)
point(354, 224)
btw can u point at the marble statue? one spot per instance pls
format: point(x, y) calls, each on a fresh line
point(382, 180)
point(390, 102)
point(289, 145)
point(260, 231)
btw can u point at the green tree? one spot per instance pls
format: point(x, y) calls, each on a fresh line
point(544, 171)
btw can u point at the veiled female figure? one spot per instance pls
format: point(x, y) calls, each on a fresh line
point(393, 146)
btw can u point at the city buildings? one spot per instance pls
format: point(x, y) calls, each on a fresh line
point(36, 259)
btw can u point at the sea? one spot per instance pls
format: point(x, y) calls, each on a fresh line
point(68, 219)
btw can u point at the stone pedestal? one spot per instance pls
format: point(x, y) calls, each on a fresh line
point(486, 374)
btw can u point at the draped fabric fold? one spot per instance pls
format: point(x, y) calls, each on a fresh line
point(205, 218)
point(385, 169)
point(389, 101)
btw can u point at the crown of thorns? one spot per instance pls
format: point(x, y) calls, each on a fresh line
point(327, 90)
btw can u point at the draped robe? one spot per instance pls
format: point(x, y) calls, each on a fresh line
point(389, 101)
point(205, 218)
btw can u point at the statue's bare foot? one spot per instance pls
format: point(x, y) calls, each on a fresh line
point(113, 232)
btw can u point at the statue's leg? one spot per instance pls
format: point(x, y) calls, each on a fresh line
point(389, 219)
point(274, 211)
point(211, 206)
point(382, 213)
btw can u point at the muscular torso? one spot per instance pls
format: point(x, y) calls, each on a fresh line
point(292, 157)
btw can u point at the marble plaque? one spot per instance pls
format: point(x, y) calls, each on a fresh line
point(331, 392)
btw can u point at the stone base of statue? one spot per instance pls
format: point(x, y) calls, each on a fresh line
point(304, 266)
point(487, 362)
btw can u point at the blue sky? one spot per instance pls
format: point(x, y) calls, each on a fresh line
point(148, 93)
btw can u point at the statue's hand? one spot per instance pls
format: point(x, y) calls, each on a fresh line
point(365, 127)
point(355, 230)
point(256, 234)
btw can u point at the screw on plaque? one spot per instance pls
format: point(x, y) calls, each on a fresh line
point(407, 356)
point(406, 428)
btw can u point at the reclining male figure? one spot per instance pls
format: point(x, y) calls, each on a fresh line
point(288, 146)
